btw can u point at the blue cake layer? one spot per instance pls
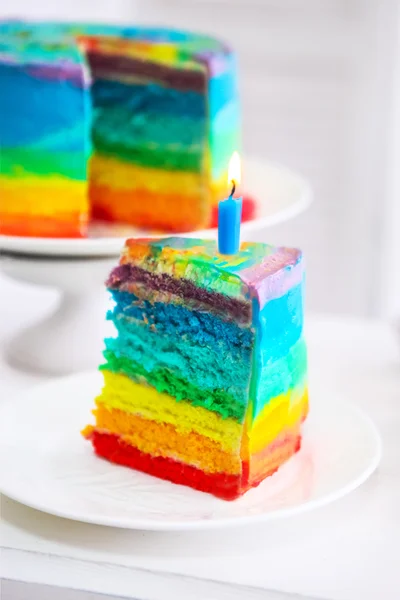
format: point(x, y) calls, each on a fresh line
point(213, 366)
point(202, 328)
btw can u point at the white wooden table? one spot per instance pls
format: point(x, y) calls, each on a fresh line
point(346, 551)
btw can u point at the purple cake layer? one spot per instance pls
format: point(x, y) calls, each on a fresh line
point(180, 79)
point(125, 276)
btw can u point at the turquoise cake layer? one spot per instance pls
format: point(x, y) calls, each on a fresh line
point(152, 98)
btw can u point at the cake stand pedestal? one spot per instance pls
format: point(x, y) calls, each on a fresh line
point(69, 339)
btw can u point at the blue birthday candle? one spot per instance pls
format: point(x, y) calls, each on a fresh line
point(230, 213)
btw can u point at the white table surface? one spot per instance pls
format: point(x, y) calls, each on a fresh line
point(346, 551)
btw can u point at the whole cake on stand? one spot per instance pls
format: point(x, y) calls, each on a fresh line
point(124, 124)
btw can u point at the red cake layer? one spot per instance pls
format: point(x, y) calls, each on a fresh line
point(112, 448)
point(225, 486)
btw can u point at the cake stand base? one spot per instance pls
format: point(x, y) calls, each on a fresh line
point(70, 339)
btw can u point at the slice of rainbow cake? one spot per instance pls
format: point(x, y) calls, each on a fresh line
point(206, 379)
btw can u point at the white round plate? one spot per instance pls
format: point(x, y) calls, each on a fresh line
point(47, 465)
point(280, 195)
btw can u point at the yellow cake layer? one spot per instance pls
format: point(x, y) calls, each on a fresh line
point(42, 195)
point(283, 412)
point(124, 394)
point(162, 439)
point(263, 463)
point(115, 173)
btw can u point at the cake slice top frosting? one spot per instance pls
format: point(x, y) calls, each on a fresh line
point(257, 270)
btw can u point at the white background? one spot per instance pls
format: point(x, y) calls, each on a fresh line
point(320, 90)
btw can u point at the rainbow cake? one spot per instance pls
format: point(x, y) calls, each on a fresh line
point(206, 378)
point(122, 124)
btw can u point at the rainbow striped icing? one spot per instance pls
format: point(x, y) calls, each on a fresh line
point(206, 378)
point(125, 124)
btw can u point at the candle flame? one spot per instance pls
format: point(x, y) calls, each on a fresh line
point(234, 171)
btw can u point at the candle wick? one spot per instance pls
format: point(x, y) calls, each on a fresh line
point(233, 187)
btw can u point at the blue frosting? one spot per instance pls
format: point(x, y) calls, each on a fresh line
point(33, 109)
point(279, 359)
point(223, 88)
point(280, 376)
point(280, 325)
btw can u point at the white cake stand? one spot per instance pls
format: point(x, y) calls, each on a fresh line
point(69, 340)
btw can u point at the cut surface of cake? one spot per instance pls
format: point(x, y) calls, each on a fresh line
point(205, 382)
point(122, 124)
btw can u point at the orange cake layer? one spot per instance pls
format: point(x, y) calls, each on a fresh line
point(36, 206)
point(172, 212)
point(64, 226)
point(160, 439)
